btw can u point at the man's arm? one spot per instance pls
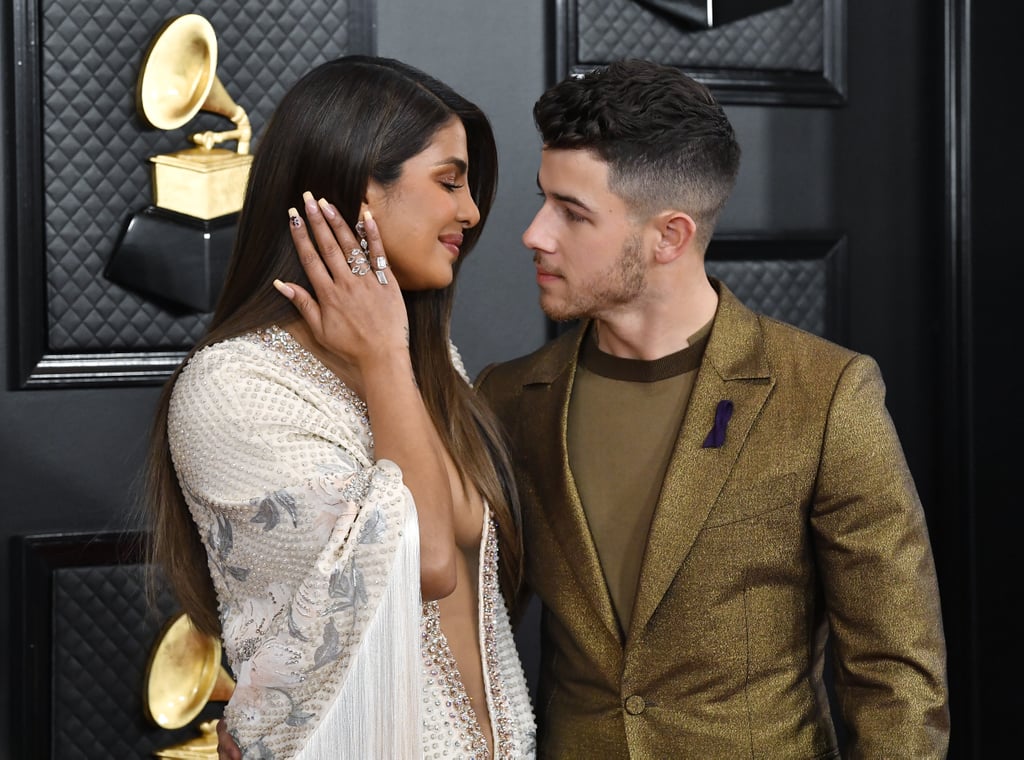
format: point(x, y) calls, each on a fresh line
point(879, 579)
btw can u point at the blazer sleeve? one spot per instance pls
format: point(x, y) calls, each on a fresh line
point(879, 581)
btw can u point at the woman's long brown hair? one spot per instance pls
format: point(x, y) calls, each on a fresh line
point(343, 123)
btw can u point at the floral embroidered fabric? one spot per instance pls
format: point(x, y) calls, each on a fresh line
point(309, 541)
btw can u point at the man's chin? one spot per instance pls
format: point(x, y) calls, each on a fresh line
point(557, 312)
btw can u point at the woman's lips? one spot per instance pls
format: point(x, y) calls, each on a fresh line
point(452, 242)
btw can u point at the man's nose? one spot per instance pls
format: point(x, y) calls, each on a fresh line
point(534, 236)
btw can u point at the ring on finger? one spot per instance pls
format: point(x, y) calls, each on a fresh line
point(354, 255)
point(382, 262)
point(360, 266)
point(381, 277)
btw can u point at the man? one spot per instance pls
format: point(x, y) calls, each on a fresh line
point(708, 494)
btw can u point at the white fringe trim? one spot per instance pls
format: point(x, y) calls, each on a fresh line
point(377, 713)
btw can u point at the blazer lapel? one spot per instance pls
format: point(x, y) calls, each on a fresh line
point(546, 392)
point(734, 369)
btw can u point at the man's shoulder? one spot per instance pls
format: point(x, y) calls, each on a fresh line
point(795, 355)
point(747, 343)
point(788, 338)
point(737, 325)
point(540, 365)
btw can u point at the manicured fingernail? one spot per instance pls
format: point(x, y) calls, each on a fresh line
point(328, 209)
point(307, 198)
point(286, 290)
point(371, 224)
point(293, 218)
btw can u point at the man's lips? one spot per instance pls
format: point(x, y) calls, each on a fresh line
point(544, 275)
point(452, 242)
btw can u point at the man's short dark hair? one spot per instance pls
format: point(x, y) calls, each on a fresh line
point(667, 142)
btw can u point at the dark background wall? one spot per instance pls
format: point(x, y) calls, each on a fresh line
point(997, 269)
point(875, 169)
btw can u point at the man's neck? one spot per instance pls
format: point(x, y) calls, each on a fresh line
point(656, 327)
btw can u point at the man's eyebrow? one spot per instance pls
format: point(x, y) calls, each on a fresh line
point(564, 198)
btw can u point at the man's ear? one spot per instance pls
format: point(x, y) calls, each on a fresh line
point(677, 233)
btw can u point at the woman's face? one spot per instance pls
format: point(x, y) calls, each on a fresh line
point(423, 214)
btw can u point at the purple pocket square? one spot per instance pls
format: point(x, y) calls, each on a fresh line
point(723, 413)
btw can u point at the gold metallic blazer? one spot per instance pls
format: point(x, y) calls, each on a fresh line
point(803, 523)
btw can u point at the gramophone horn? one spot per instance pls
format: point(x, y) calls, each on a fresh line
point(178, 79)
point(178, 71)
point(184, 674)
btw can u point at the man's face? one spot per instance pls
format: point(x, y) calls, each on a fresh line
point(588, 252)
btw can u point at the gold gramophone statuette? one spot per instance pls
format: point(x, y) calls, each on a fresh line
point(183, 676)
point(177, 80)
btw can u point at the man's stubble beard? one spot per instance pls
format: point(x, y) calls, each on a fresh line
point(623, 282)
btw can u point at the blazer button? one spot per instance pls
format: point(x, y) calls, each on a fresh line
point(635, 704)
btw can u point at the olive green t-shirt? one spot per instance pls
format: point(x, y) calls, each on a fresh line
point(624, 419)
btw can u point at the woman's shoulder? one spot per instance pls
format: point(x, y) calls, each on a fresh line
point(212, 380)
point(226, 355)
point(268, 355)
point(266, 376)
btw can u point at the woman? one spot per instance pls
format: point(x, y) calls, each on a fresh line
point(353, 501)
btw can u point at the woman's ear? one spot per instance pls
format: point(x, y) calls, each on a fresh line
point(677, 235)
point(373, 198)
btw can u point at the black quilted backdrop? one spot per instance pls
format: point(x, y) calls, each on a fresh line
point(96, 147)
point(787, 38)
point(792, 54)
point(81, 644)
point(796, 292)
point(796, 278)
point(103, 632)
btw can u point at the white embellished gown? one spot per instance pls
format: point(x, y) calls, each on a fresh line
point(313, 547)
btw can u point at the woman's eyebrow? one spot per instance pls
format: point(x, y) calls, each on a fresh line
point(460, 165)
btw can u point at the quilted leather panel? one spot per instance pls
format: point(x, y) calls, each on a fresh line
point(784, 39)
point(96, 147)
point(794, 291)
point(103, 632)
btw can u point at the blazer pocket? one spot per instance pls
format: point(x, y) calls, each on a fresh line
point(749, 500)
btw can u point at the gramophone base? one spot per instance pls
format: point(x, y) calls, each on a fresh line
point(200, 182)
point(203, 747)
point(176, 258)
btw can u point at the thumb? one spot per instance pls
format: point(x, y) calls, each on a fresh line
point(303, 302)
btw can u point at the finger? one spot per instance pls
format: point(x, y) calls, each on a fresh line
point(352, 244)
point(314, 267)
point(333, 239)
point(303, 302)
point(357, 258)
point(227, 749)
point(376, 246)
